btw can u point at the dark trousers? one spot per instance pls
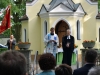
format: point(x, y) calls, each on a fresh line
point(67, 56)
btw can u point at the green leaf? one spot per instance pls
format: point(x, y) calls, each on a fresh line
point(17, 11)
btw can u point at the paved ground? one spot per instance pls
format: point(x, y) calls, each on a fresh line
point(37, 69)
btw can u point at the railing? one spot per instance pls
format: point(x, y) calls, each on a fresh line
point(77, 59)
point(98, 59)
point(35, 64)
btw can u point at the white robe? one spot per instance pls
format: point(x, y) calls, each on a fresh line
point(50, 47)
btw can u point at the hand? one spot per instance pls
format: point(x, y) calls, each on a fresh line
point(53, 40)
point(50, 41)
point(67, 45)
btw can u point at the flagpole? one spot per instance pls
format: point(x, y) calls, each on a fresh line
point(10, 19)
point(10, 24)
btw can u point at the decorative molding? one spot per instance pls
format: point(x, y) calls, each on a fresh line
point(43, 10)
point(61, 8)
point(92, 3)
point(32, 3)
point(44, 15)
point(79, 9)
point(61, 14)
point(67, 14)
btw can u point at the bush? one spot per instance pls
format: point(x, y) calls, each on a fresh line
point(3, 49)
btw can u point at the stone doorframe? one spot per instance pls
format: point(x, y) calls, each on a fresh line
point(55, 23)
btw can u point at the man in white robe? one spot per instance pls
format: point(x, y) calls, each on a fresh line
point(51, 42)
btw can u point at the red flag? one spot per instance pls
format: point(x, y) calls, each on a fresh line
point(6, 20)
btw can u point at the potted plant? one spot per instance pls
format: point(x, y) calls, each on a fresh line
point(75, 46)
point(24, 45)
point(88, 44)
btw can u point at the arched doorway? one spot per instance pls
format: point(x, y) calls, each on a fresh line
point(60, 30)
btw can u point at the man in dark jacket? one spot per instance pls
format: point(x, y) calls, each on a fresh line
point(11, 43)
point(68, 47)
point(90, 59)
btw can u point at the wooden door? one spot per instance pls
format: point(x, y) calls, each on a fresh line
point(60, 30)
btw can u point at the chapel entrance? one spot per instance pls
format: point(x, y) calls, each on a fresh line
point(60, 30)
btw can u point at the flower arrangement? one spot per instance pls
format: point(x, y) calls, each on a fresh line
point(24, 45)
point(87, 41)
point(75, 46)
point(88, 44)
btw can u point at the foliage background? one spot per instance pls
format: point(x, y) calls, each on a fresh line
point(18, 10)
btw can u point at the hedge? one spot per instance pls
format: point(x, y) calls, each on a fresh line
point(3, 49)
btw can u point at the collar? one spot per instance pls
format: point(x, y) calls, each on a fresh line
point(51, 33)
point(90, 64)
point(68, 37)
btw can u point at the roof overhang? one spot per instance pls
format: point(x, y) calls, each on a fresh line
point(25, 17)
point(61, 10)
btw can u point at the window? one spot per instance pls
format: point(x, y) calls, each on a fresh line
point(99, 34)
point(45, 28)
point(78, 30)
point(25, 35)
point(93, 0)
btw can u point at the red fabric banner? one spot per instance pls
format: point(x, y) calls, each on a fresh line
point(6, 21)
